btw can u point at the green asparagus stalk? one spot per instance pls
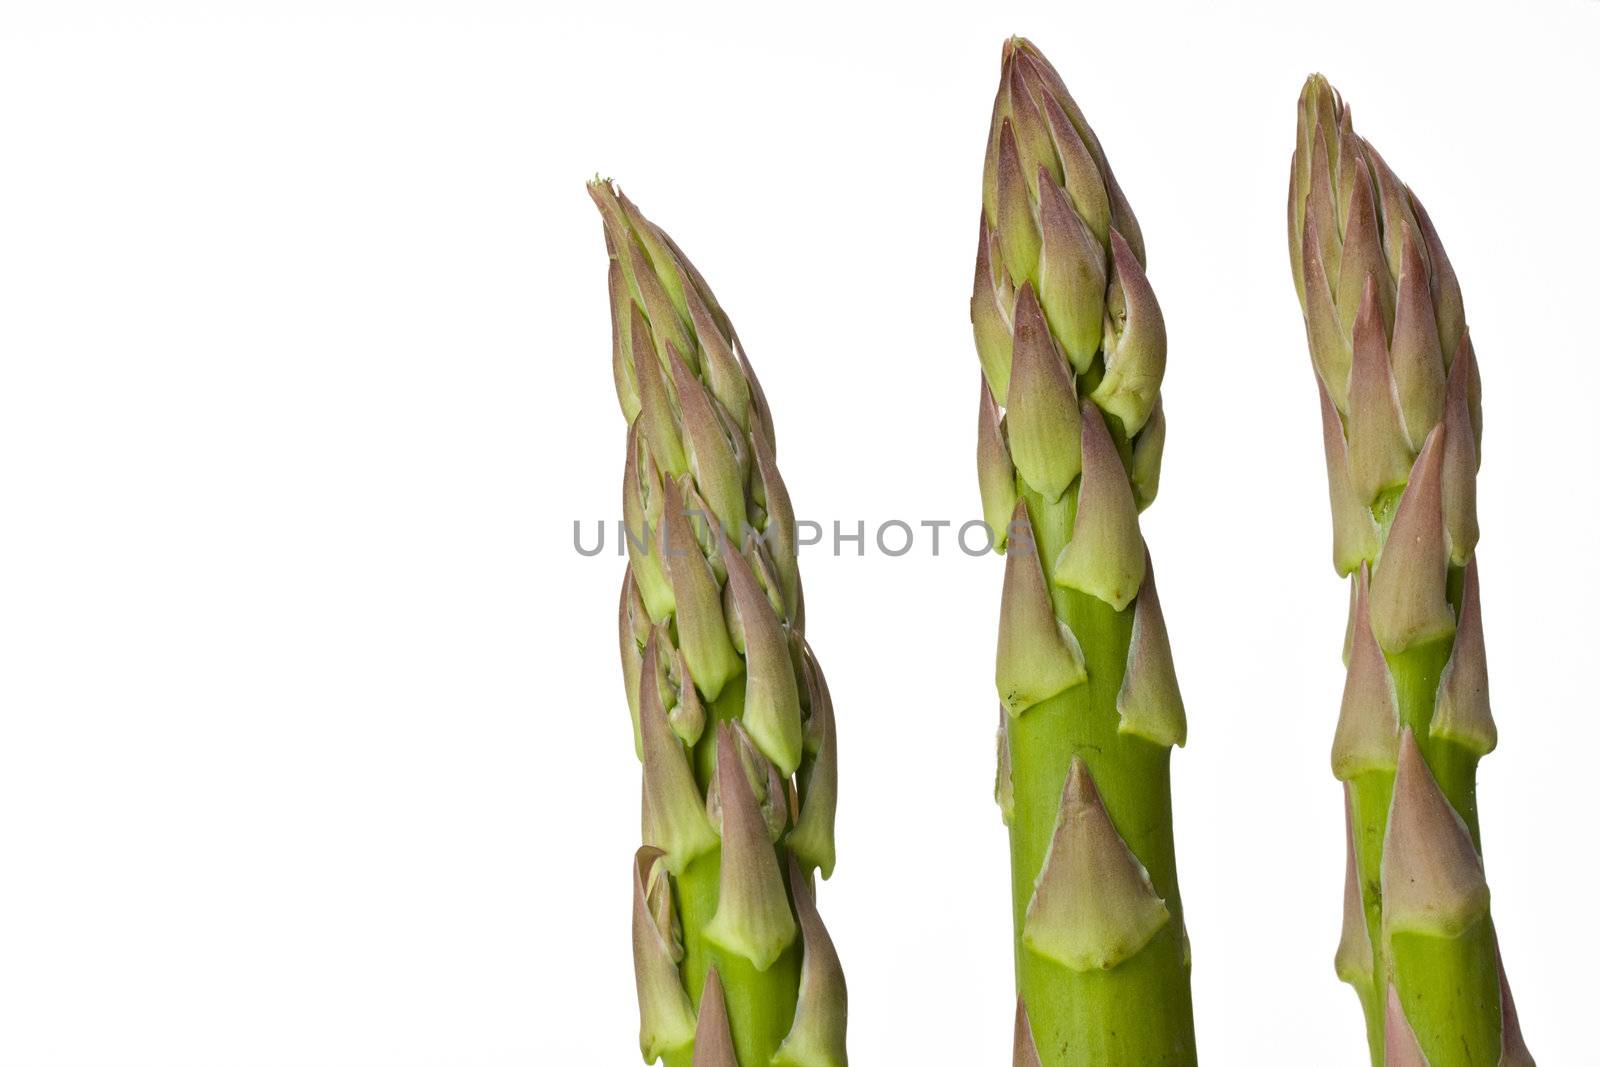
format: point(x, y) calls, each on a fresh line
point(1402, 429)
point(1070, 433)
point(731, 716)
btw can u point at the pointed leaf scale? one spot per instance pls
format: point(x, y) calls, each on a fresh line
point(1004, 793)
point(1353, 960)
point(1513, 1049)
point(817, 1037)
point(1409, 604)
point(1093, 905)
point(713, 1037)
point(753, 917)
point(1379, 456)
point(1417, 360)
point(1037, 655)
point(1145, 471)
point(1330, 346)
point(1431, 875)
point(812, 840)
point(1042, 407)
point(702, 627)
point(666, 1016)
point(1035, 150)
point(1460, 469)
point(991, 314)
point(640, 526)
point(1024, 1053)
point(665, 323)
point(675, 812)
point(1014, 221)
point(1362, 262)
point(1368, 735)
point(1461, 712)
point(632, 657)
point(1137, 359)
point(621, 354)
point(1105, 557)
point(997, 477)
point(688, 715)
point(656, 415)
point(1355, 535)
point(1149, 704)
point(1072, 277)
point(771, 693)
point(781, 532)
point(721, 367)
point(710, 454)
point(1400, 1048)
point(1091, 201)
point(1448, 311)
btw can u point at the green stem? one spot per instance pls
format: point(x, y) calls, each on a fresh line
point(1138, 1013)
point(760, 1003)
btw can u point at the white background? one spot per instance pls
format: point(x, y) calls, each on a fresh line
point(313, 748)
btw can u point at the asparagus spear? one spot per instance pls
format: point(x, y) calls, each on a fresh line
point(732, 718)
point(1402, 428)
point(1070, 433)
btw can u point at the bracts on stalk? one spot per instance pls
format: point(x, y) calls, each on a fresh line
point(1402, 428)
point(731, 716)
point(1070, 432)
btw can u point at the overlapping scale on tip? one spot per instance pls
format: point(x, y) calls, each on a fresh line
point(1105, 557)
point(1368, 735)
point(1410, 605)
point(1145, 471)
point(666, 1016)
point(1379, 455)
point(674, 811)
point(812, 840)
point(1042, 420)
point(1432, 877)
point(1135, 342)
point(641, 521)
point(1460, 466)
point(1329, 344)
point(1149, 704)
point(1025, 1053)
point(712, 458)
point(688, 715)
point(1037, 655)
point(753, 917)
point(702, 627)
point(1461, 712)
point(772, 695)
point(993, 297)
point(1355, 534)
point(713, 1037)
point(1362, 261)
point(1072, 277)
point(997, 475)
point(1400, 1048)
point(817, 1037)
point(629, 640)
point(1414, 351)
point(1093, 905)
point(1352, 962)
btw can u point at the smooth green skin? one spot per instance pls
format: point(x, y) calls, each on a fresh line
point(1138, 1013)
point(1449, 987)
point(761, 1004)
